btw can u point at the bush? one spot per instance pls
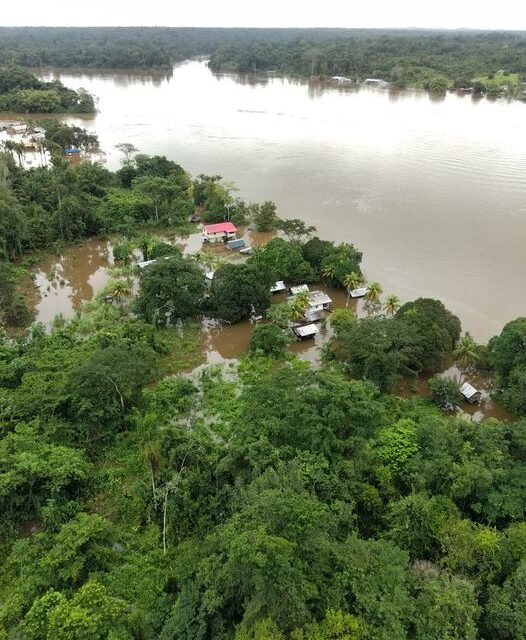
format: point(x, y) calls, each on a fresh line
point(445, 392)
point(269, 340)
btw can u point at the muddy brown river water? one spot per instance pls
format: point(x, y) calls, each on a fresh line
point(433, 190)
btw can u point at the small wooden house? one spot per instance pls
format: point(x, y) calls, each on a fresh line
point(314, 315)
point(319, 301)
point(306, 331)
point(278, 287)
point(472, 395)
point(293, 291)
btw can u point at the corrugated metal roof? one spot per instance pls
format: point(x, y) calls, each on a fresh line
point(278, 286)
point(236, 244)
point(220, 227)
point(301, 287)
point(307, 330)
point(358, 293)
point(468, 391)
point(319, 297)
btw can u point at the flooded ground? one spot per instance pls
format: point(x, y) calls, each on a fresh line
point(83, 271)
point(64, 282)
point(432, 189)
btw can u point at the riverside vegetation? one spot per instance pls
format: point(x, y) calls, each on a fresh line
point(22, 92)
point(491, 62)
point(271, 500)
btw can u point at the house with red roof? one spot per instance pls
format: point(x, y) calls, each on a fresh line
point(220, 232)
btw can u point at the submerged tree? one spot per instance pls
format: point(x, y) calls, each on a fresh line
point(467, 352)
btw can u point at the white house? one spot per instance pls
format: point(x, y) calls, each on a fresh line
point(220, 232)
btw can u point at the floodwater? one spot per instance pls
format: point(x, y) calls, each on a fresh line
point(82, 271)
point(432, 189)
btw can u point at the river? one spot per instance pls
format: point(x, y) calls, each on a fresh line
point(433, 190)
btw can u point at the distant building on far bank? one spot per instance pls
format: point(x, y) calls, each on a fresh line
point(376, 82)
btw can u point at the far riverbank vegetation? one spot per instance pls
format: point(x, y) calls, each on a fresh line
point(493, 63)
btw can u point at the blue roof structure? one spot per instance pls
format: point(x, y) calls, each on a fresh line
point(236, 244)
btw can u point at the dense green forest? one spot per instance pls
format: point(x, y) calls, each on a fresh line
point(22, 92)
point(435, 59)
point(404, 59)
point(268, 500)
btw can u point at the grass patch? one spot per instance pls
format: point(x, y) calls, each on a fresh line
point(500, 79)
point(182, 346)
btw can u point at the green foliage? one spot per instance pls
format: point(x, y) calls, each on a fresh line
point(265, 218)
point(438, 329)
point(445, 607)
point(281, 260)
point(379, 350)
point(91, 614)
point(21, 92)
point(60, 136)
point(108, 383)
point(507, 356)
point(295, 230)
point(315, 250)
point(438, 84)
point(445, 392)
point(35, 472)
point(170, 289)
point(238, 291)
point(270, 340)
point(13, 307)
point(506, 608)
point(339, 262)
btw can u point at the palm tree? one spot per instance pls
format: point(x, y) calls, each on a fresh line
point(299, 305)
point(466, 352)
point(374, 291)
point(350, 282)
point(297, 310)
point(15, 148)
point(391, 304)
point(328, 271)
point(118, 290)
point(303, 299)
point(205, 259)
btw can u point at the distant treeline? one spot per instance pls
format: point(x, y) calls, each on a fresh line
point(404, 59)
point(402, 56)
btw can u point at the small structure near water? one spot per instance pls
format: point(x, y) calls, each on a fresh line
point(358, 293)
point(278, 287)
point(233, 245)
point(306, 331)
point(376, 82)
point(220, 232)
point(320, 301)
point(472, 395)
point(314, 315)
point(293, 291)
